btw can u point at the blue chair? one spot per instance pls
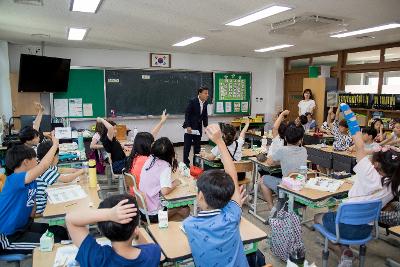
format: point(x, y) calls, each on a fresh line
point(354, 214)
point(13, 258)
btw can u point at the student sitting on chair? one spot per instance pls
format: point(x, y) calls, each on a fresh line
point(118, 221)
point(368, 136)
point(51, 175)
point(394, 137)
point(113, 146)
point(377, 124)
point(376, 179)
point(340, 130)
point(19, 234)
point(214, 235)
point(290, 157)
point(156, 177)
point(30, 135)
point(141, 149)
point(311, 123)
point(278, 133)
point(234, 145)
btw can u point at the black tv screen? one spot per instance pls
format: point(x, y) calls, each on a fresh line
point(43, 74)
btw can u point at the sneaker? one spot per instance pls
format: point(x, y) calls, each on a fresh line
point(346, 260)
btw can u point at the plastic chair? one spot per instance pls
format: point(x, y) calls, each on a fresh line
point(17, 258)
point(130, 182)
point(353, 214)
point(119, 177)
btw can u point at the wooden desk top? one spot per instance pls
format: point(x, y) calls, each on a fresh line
point(53, 210)
point(185, 190)
point(44, 259)
point(329, 149)
point(180, 249)
point(249, 152)
point(317, 195)
point(264, 164)
point(395, 230)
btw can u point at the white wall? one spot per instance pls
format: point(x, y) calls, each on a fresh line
point(267, 76)
point(5, 89)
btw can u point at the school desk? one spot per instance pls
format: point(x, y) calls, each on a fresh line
point(183, 195)
point(259, 165)
point(310, 139)
point(311, 197)
point(255, 137)
point(44, 259)
point(395, 230)
point(201, 161)
point(328, 158)
point(57, 210)
point(175, 246)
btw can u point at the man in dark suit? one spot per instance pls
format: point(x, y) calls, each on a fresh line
point(195, 117)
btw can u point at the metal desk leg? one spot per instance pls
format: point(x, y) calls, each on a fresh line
point(290, 202)
point(253, 206)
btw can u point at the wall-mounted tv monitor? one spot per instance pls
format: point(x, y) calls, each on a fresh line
point(43, 74)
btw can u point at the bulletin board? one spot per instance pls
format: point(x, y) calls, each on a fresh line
point(84, 97)
point(232, 93)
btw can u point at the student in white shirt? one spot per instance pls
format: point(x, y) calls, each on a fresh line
point(394, 137)
point(234, 146)
point(376, 179)
point(307, 104)
point(278, 134)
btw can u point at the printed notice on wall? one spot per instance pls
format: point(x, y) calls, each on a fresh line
point(228, 107)
point(88, 110)
point(61, 108)
point(245, 106)
point(220, 107)
point(75, 107)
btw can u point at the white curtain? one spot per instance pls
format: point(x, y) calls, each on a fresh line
point(5, 89)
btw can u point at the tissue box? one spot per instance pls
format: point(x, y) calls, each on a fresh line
point(294, 184)
point(47, 241)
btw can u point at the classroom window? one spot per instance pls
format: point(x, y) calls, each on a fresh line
point(330, 60)
point(299, 63)
point(392, 54)
point(391, 82)
point(362, 82)
point(364, 57)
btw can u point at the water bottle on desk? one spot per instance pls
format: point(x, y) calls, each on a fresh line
point(81, 146)
point(303, 172)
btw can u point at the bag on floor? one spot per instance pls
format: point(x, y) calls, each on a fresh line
point(286, 234)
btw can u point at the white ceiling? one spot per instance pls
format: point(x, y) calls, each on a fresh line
point(154, 25)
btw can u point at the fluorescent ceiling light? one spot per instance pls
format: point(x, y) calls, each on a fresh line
point(367, 30)
point(267, 12)
point(76, 34)
point(89, 6)
point(189, 41)
point(273, 48)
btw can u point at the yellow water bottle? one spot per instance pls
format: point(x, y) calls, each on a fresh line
point(92, 173)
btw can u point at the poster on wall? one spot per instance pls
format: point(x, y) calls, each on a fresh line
point(233, 89)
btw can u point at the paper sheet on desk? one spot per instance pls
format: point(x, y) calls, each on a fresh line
point(65, 193)
point(194, 132)
point(65, 256)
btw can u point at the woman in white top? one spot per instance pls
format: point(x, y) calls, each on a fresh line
point(307, 104)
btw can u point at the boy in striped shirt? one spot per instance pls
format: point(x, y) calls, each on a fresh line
point(50, 176)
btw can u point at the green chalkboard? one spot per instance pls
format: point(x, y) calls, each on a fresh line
point(88, 85)
point(232, 93)
point(133, 92)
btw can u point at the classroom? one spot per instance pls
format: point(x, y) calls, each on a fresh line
point(199, 133)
